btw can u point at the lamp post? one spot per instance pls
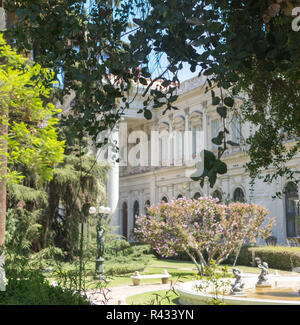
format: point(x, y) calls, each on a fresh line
point(103, 211)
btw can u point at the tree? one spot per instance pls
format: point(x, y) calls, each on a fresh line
point(87, 53)
point(55, 209)
point(77, 184)
point(202, 227)
point(27, 123)
point(246, 47)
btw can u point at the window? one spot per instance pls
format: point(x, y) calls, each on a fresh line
point(164, 200)
point(125, 220)
point(197, 196)
point(238, 195)
point(179, 196)
point(217, 194)
point(237, 130)
point(178, 145)
point(163, 144)
point(164, 148)
point(136, 211)
point(292, 210)
point(196, 139)
point(147, 205)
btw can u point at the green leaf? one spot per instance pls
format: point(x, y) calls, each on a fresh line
point(212, 177)
point(234, 144)
point(225, 84)
point(222, 111)
point(220, 167)
point(143, 81)
point(173, 98)
point(229, 101)
point(147, 114)
point(217, 141)
point(216, 101)
point(166, 83)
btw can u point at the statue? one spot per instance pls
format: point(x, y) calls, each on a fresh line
point(99, 272)
point(237, 288)
point(100, 250)
point(100, 239)
point(262, 279)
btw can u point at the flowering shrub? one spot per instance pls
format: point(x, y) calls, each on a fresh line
point(202, 225)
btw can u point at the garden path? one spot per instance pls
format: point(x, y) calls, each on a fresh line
point(118, 295)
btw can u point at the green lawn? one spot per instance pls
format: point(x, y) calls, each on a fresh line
point(180, 271)
point(161, 297)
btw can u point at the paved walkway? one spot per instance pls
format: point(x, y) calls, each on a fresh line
point(118, 295)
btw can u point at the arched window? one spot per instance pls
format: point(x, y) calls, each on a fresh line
point(238, 195)
point(125, 220)
point(217, 194)
point(147, 205)
point(164, 199)
point(136, 211)
point(291, 209)
point(179, 196)
point(197, 195)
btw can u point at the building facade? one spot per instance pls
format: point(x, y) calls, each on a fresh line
point(158, 168)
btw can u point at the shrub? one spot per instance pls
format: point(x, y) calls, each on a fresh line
point(124, 268)
point(128, 259)
point(37, 291)
point(202, 226)
point(278, 257)
point(121, 247)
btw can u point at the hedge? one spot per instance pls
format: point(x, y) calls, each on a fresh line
point(278, 257)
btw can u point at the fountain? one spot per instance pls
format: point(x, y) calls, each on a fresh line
point(268, 289)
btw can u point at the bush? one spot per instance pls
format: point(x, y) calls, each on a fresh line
point(278, 257)
point(122, 247)
point(125, 268)
point(37, 291)
point(123, 258)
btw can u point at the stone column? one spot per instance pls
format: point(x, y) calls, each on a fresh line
point(205, 126)
point(153, 199)
point(113, 179)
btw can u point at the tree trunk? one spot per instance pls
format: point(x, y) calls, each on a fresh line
point(9, 20)
point(202, 261)
point(199, 268)
point(3, 173)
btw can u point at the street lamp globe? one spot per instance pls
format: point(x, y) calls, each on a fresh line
point(102, 209)
point(92, 210)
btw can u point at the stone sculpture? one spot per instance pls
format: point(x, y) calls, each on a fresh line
point(262, 278)
point(237, 288)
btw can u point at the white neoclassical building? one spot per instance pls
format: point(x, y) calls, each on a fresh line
point(158, 156)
